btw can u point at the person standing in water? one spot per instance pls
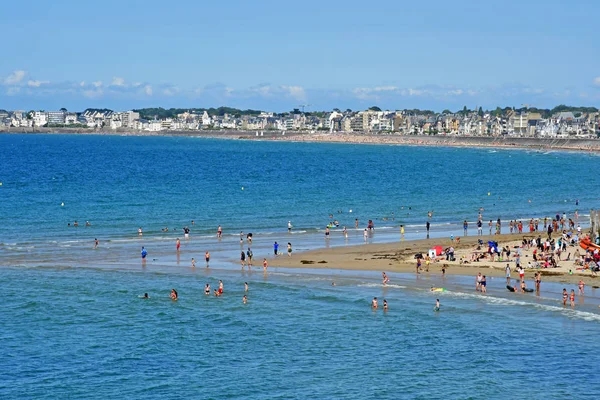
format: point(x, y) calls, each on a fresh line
point(144, 253)
point(219, 232)
point(385, 306)
point(207, 289)
point(243, 259)
point(572, 297)
point(173, 294)
point(177, 244)
point(265, 265)
point(96, 243)
point(427, 226)
point(374, 303)
point(249, 255)
point(345, 232)
point(275, 248)
point(245, 299)
point(207, 258)
point(289, 226)
point(193, 263)
point(245, 286)
point(437, 305)
point(220, 286)
point(565, 296)
point(386, 280)
point(507, 270)
point(289, 249)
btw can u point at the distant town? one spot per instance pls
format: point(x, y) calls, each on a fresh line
point(562, 121)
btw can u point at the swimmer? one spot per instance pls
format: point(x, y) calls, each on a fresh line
point(207, 289)
point(374, 303)
point(244, 299)
point(245, 286)
point(87, 223)
point(146, 296)
point(217, 294)
point(437, 305)
point(385, 306)
point(173, 294)
point(332, 283)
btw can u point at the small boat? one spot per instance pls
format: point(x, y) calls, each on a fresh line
point(587, 244)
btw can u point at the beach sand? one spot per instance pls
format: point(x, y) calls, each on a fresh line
point(399, 257)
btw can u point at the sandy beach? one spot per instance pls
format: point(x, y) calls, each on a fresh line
point(399, 257)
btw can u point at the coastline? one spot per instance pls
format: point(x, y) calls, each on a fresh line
point(398, 257)
point(535, 144)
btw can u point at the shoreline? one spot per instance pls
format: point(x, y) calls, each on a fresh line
point(525, 143)
point(398, 257)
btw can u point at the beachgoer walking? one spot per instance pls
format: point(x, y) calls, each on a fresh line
point(490, 225)
point(507, 270)
point(177, 244)
point(465, 227)
point(345, 232)
point(479, 228)
point(356, 223)
point(385, 278)
point(249, 255)
point(265, 264)
point(327, 232)
point(483, 284)
point(427, 226)
point(275, 248)
point(402, 230)
point(478, 282)
point(243, 259)
point(581, 286)
point(365, 234)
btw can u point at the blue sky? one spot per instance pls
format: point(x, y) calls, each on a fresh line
point(277, 55)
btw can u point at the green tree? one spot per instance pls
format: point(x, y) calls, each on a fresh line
point(374, 108)
point(480, 112)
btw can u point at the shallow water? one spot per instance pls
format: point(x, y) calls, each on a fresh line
point(86, 333)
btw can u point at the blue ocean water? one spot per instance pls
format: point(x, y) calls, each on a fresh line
point(74, 327)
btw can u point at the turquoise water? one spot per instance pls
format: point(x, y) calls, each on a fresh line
point(74, 327)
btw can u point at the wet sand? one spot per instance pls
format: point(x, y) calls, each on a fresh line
point(399, 257)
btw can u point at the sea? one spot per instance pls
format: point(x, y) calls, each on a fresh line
point(74, 323)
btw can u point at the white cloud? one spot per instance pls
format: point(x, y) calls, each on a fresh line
point(296, 92)
point(82, 83)
point(597, 81)
point(13, 90)
point(93, 93)
point(31, 83)
point(15, 78)
point(148, 90)
point(97, 84)
point(117, 81)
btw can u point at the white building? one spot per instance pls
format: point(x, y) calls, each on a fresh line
point(39, 118)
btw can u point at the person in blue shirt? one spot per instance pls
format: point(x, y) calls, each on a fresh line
point(144, 253)
point(275, 248)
